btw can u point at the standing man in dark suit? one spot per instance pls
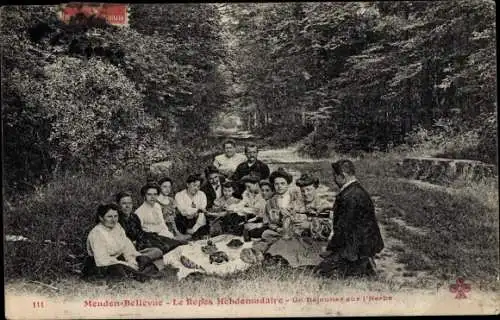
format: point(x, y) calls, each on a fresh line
point(213, 185)
point(252, 165)
point(356, 234)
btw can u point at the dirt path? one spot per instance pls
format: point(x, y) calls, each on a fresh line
point(389, 268)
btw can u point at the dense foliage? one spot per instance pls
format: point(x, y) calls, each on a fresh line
point(84, 96)
point(365, 74)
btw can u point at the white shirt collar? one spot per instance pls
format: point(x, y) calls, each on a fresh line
point(347, 184)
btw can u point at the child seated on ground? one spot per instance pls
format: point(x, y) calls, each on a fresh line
point(255, 226)
point(250, 208)
point(226, 201)
point(221, 208)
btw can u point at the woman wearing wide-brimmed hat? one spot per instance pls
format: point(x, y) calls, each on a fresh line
point(315, 217)
point(281, 208)
point(311, 227)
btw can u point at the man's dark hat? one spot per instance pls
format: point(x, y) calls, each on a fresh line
point(307, 180)
point(211, 169)
point(281, 173)
point(336, 167)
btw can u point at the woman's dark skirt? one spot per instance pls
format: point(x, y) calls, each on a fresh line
point(183, 224)
point(154, 240)
point(147, 270)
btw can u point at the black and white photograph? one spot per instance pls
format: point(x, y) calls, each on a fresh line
point(250, 159)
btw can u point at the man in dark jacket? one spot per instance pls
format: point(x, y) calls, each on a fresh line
point(252, 165)
point(356, 234)
point(213, 185)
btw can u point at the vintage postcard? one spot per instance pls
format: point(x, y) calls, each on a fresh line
point(293, 159)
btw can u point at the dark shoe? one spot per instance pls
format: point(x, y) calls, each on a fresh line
point(143, 261)
point(141, 278)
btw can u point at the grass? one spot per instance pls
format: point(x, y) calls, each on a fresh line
point(464, 233)
point(463, 237)
point(253, 283)
point(462, 221)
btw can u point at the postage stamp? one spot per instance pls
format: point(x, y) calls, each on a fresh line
point(203, 160)
point(114, 13)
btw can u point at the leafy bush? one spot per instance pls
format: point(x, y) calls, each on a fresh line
point(488, 141)
point(441, 130)
point(316, 146)
point(451, 139)
point(95, 114)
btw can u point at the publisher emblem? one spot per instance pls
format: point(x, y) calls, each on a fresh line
point(460, 288)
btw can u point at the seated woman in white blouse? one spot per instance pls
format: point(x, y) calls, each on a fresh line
point(191, 206)
point(111, 253)
point(156, 231)
point(282, 207)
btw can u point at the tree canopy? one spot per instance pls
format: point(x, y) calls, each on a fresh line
point(366, 73)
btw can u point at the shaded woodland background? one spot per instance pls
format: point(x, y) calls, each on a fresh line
point(87, 107)
point(348, 76)
point(368, 76)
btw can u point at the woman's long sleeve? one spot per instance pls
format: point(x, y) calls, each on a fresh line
point(97, 244)
point(129, 252)
point(184, 207)
point(164, 231)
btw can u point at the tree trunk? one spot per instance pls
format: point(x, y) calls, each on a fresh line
point(249, 122)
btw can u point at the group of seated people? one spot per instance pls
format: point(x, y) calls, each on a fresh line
point(239, 196)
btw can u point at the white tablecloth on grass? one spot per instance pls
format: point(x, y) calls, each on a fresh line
point(193, 252)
